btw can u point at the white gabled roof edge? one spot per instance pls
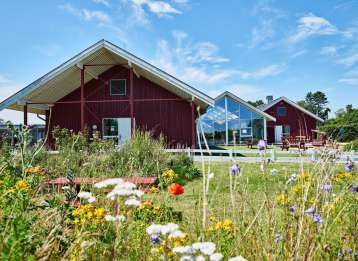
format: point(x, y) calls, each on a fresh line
point(283, 98)
point(117, 50)
point(236, 98)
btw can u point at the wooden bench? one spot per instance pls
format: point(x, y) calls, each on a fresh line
point(86, 181)
point(289, 142)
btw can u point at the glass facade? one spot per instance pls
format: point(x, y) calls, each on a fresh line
point(231, 122)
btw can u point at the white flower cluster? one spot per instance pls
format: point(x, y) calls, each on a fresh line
point(110, 218)
point(170, 229)
point(86, 195)
point(201, 249)
point(122, 188)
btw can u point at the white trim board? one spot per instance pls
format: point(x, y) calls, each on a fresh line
point(274, 102)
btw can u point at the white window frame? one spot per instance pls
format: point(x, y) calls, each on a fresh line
point(125, 87)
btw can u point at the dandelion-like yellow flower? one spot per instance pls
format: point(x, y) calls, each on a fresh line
point(282, 199)
point(99, 213)
point(154, 190)
point(22, 185)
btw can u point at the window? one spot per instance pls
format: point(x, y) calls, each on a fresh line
point(246, 132)
point(110, 128)
point(118, 87)
point(281, 111)
point(286, 130)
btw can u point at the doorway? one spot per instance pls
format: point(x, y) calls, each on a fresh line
point(278, 133)
point(118, 129)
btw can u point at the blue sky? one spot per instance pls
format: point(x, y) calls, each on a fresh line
point(252, 48)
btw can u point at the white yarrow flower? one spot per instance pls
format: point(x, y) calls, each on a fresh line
point(187, 258)
point(84, 194)
point(177, 234)
point(108, 182)
point(154, 229)
point(216, 257)
point(132, 202)
point(210, 176)
point(110, 218)
point(169, 228)
point(207, 248)
point(183, 250)
point(91, 199)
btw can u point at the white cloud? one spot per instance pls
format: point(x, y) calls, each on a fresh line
point(103, 2)
point(349, 60)
point(199, 63)
point(268, 71)
point(352, 73)
point(86, 14)
point(349, 81)
point(261, 33)
point(8, 88)
point(244, 91)
point(328, 50)
point(160, 8)
point(299, 53)
point(309, 25)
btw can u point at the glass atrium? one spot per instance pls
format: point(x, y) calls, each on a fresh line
point(233, 121)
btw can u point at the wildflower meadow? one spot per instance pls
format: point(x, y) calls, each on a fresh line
point(196, 211)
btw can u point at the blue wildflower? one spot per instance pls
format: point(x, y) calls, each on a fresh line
point(293, 208)
point(155, 238)
point(317, 218)
point(278, 238)
point(274, 171)
point(310, 211)
point(234, 169)
point(327, 187)
point(353, 188)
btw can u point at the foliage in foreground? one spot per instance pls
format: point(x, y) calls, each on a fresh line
point(282, 212)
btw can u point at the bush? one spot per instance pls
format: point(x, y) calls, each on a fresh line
point(141, 156)
point(184, 167)
point(353, 145)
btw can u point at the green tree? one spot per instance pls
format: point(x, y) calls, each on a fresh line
point(256, 103)
point(344, 127)
point(316, 102)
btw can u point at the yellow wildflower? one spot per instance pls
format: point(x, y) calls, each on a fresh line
point(154, 190)
point(22, 185)
point(99, 212)
point(282, 199)
point(228, 224)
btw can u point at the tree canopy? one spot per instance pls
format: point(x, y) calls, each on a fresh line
point(344, 127)
point(316, 102)
point(256, 103)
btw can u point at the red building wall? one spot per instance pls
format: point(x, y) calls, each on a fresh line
point(172, 118)
point(301, 124)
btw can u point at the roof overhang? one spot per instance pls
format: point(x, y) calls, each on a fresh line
point(245, 103)
point(66, 78)
point(274, 102)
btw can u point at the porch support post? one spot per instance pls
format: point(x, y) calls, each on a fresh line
point(131, 97)
point(265, 130)
point(25, 114)
point(193, 138)
point(226, 124)
point(82, 99)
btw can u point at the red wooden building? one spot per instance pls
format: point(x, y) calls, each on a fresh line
point(291, 120)
point(107, 89)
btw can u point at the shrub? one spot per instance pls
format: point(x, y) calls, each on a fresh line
point(353, 145)
point(184, 167)
point(141, 156)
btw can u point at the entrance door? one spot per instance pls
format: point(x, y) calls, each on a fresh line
point(278, 133)
point(118, 129)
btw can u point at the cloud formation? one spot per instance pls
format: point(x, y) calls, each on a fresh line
point(86, 14)
point(310, 25)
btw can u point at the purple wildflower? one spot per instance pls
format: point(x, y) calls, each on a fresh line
point(317, 218)
point(310, 211)
point(261, 145)
point(353, 188)
point(234, 169)
point(349, 166)
point(327, 187)
point(278, 238)
point(293, 208)
point(274, 171)
point(155, 238)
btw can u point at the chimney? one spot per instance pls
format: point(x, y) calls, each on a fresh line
point(269, 99)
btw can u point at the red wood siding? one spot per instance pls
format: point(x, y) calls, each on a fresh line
point(172, 118)
point(300, 123)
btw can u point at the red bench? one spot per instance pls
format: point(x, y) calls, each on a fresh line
point(79, 181)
